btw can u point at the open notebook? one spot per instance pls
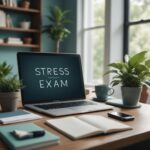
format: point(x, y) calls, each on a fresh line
point(86, 125)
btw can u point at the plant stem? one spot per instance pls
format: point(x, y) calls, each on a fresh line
point(57, 46)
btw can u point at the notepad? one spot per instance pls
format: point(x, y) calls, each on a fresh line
point(34, 143)
point(86, 125)
point(17, 116)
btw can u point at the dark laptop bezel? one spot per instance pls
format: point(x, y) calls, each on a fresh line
point(51, 54)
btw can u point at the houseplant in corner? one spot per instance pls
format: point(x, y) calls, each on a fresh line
point(131, 74)
point(9, 88)
point(57, 30)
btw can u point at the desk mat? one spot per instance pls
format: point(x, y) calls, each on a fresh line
point(119, 103)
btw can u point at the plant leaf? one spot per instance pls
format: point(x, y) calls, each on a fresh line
point(138, 58)
point(115, 82)
point(111, 71)
point(147, 63)
point(116, 65)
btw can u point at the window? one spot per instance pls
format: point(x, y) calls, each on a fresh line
point(137, 26)
point(93, 40)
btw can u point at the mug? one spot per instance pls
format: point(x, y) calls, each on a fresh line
point(103, 91)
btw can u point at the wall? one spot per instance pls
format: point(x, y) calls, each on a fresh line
point(47, 43)
point(113, 37)
point(8, 54)
point(70, 43)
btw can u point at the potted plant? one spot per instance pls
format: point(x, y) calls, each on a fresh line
point(9, 88)
point(131, 74)
point(57, 30)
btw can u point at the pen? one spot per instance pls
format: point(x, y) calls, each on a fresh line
point(20, 134)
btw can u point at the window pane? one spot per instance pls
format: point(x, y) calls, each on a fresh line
point(139, 9)
point(94, 55)
point(94, 13)
point(139, 38)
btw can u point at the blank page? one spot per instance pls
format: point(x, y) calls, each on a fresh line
point(73, 127)
point(108, 125)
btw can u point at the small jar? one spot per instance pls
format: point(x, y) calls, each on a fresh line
point(25, 4)
point(27, 40)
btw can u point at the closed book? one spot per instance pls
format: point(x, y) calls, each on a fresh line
point(15, 42)
point(32, 143)
point(13, 39)
point(17, 116)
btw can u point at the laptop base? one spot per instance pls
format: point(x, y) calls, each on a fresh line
point(70, 110)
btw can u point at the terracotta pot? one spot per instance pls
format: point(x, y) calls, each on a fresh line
point(25, 4)
point(144, 94)
point(27, 40)
point(8, 101)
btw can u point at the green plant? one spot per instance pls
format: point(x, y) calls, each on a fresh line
point(8, 82)
point(56, 29)
point(131, 73)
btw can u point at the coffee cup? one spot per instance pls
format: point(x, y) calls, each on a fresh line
point(102, 92)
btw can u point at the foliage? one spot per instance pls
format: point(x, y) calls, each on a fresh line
point(132, 72)
point(138, 37)
point(4, 70)
point(56, 29)
point(8, 83)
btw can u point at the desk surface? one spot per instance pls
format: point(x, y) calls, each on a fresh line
point(140, 132)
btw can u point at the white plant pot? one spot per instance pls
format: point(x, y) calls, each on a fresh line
point(25, 24)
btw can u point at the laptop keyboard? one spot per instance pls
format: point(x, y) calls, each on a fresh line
point(64, 105)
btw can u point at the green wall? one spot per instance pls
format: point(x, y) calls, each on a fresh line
point(70, 43)
point(8, 54)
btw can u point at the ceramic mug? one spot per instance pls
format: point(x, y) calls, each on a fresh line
point(103, 91)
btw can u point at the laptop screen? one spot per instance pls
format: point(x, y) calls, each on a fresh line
point(50, 77)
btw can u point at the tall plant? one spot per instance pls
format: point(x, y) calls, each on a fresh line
point(57, 30)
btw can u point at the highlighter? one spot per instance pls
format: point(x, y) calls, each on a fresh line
point(21, 135)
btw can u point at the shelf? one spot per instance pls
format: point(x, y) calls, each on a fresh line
point(14, 29)
point(19, 9)
point(20, 45)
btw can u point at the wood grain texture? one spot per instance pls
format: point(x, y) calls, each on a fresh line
point(140, 132)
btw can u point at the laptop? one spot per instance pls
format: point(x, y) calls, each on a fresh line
point(53, 84)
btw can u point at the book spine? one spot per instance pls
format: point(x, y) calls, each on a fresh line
point(7, 142)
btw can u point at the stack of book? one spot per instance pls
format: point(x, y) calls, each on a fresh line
point(13, 40)
point(2, 18)
point(17, 116)
point(1, 41)
point(29, 143)
point(10, 3)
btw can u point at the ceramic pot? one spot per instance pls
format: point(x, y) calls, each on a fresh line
point(8, 101)
point(131, 95)
point(25, 24)
point(27, 40)
point(144, 94)
point(25, 4)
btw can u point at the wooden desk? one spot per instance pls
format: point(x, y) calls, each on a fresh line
point(140, 132)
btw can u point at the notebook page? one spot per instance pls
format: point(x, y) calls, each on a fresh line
point(108, 125)
point(73, 127)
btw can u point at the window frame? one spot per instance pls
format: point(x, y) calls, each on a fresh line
point(82, 38)
point(127, 24)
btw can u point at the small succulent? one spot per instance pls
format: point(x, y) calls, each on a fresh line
point(8, 82)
